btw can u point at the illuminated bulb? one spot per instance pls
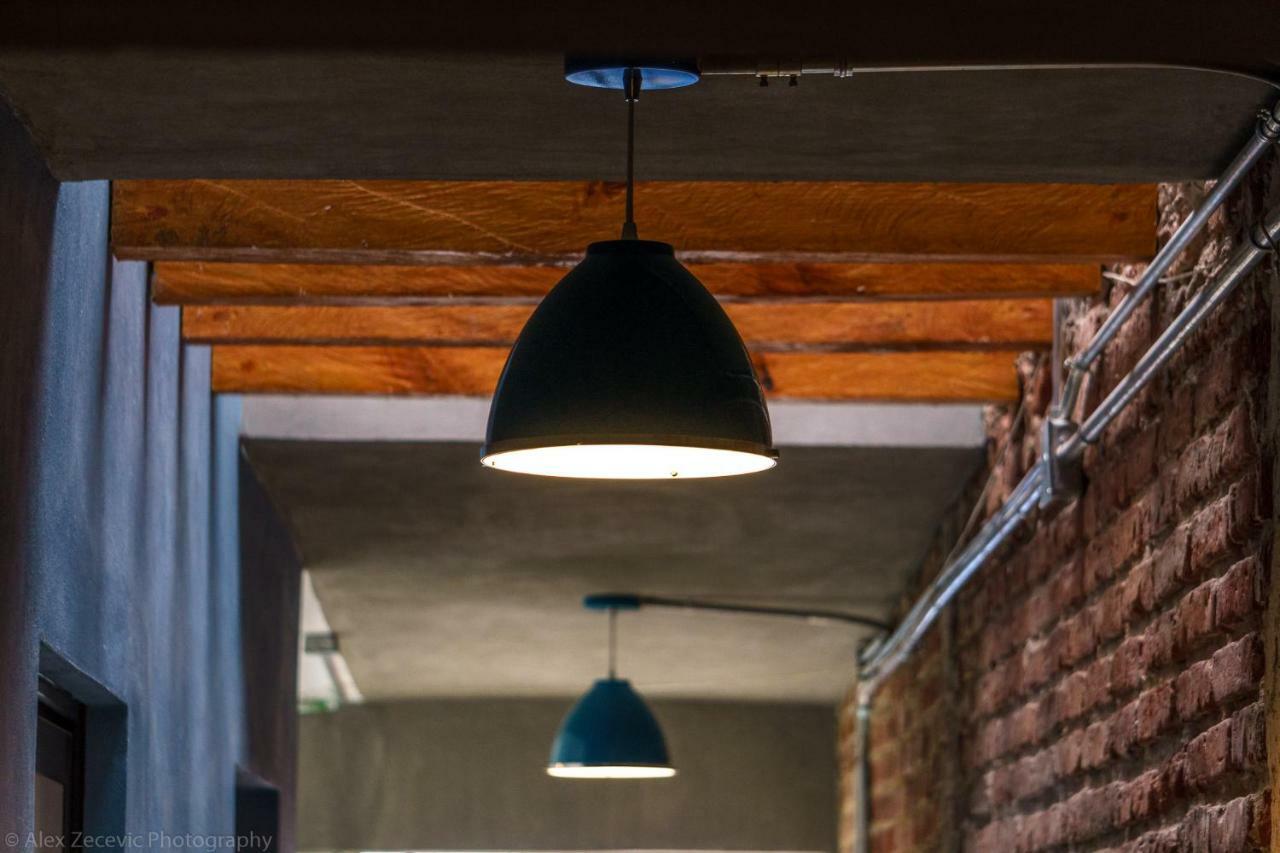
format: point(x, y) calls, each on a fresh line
point(629, 461)
point(621, 771)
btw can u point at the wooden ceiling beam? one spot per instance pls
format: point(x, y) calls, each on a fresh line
point(955, 324)
point(205, 283)
point(538, 222)
point(937, 376)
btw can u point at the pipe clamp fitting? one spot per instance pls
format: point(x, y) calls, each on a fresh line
point(1064, 478)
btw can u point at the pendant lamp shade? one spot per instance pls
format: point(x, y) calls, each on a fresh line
point(610, 734)
point(629, 369)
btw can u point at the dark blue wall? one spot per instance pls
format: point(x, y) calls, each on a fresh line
point(120, 574)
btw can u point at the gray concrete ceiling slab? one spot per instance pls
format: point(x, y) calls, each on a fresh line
point(157, 112)
point(445, 579)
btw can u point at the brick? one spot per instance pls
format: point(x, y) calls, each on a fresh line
point(1237, 669)
point(1154, 712)
point(1140, 798)
point(1163, 840)
point(1207, 757)
point(1081, 639)
point(1160, 641)
point(1120, 542)
point(1130, 342)
point(1110, 613)
point(1211, 459)
point(1024, 724)
point(925, 824)
point(1098, 677)
point(1194, 619)
point(1238, 594)
point(1096, 508)
point(1139, 591)
point(1068, 753)
point(1041, 609)
point(999, 685)
point(1138, 463)
point(993, 742)
point(1218, 383)
point(1070, 697)
point(889, 805)
point(1218, 530)
point(1040, 659)
point(1129, 664)
point(1193, 690)
point(1249, 737)
point(1171, 564)
point(1068, 586)
point(1122, 729)
point(1095, 745)
point(884, 840)
point(1195, 830)
point(1177, 421)
point(1232, 827)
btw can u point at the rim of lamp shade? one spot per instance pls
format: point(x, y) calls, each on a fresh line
point(610, 733)
point(613, 771)
point(627, 354)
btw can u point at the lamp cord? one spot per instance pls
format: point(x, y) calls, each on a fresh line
point(613, 642)
point(631, 88)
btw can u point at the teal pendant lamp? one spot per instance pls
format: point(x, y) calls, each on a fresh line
point(610, 733)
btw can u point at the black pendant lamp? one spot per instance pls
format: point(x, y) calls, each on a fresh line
point(629, 368)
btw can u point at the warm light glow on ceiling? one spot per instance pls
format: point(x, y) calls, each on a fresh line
point(600, 771)
point(629, 461)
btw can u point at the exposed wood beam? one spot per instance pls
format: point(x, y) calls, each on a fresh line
point(201, 283)
point(953, 324)
point(936, 376)
point(443, 222)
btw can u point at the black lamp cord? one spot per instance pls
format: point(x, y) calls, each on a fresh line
point(631, 82)
point(613, 637)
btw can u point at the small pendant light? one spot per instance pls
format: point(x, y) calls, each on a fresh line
point(610, 733)
point(629, 369)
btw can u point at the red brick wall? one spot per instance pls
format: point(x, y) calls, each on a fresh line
point(1099, 686)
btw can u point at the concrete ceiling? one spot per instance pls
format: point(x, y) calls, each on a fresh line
point(446, 579)
point(152, 112)
point(1143, 90)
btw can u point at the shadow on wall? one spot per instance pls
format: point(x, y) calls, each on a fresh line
point(118, 555)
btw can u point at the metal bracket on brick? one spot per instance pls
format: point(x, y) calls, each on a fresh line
point(1064, 475)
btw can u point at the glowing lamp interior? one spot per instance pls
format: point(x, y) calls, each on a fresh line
point(629, 461)
point(619, 771)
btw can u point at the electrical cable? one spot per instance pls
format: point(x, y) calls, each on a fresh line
point(632, 83)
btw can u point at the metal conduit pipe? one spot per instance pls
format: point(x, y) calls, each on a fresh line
point(880, 661)
point(749, 609)
point(863, 735)
point(792, 67)
point(1265, 133)
point(1263, 239)
point(885, 657)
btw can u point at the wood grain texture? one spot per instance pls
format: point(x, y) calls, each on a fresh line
point(465, 371)
point(937, 376)
point(205, 283)
point(533, 221)
point(1022, 323)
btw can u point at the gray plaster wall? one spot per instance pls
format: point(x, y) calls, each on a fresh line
point(467, 774)
point(118, 572)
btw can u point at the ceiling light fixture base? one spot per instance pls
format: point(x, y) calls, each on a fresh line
point(610, 72)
